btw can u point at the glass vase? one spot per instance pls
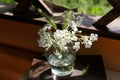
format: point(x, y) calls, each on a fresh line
point(61, 62)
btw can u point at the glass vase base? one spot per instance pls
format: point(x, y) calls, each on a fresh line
point(61, 73)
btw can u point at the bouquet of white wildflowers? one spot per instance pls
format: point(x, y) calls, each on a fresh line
point(66, 35)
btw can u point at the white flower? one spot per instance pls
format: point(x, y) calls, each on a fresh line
point(86, 41)
point(76, 46)
point(73, 25)
point(88, 44)
point(62, 38)
point(45, 37)
point(93, 37)
point(44, 41)
point(73, 37)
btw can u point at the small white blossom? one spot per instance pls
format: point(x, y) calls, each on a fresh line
point(76, 46)
point(73, 37)
point(93, 37)
point(88, 44)
point(86, 41)
point(73, 25)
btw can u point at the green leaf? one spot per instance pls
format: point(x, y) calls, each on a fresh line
point(85, 70)
point(67, 17)
point(49, 19)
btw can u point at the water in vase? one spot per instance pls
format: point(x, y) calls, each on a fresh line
point(62, 67)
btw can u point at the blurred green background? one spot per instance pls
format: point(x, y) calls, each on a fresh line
point(91, 7)
point(7, 1)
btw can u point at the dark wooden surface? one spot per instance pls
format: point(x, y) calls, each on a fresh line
point(95, 71)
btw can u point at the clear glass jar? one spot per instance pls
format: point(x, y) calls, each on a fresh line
point(62, 62)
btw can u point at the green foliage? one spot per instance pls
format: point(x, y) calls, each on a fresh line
point(7, 1)
point(49, 19)
point(93, 7)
